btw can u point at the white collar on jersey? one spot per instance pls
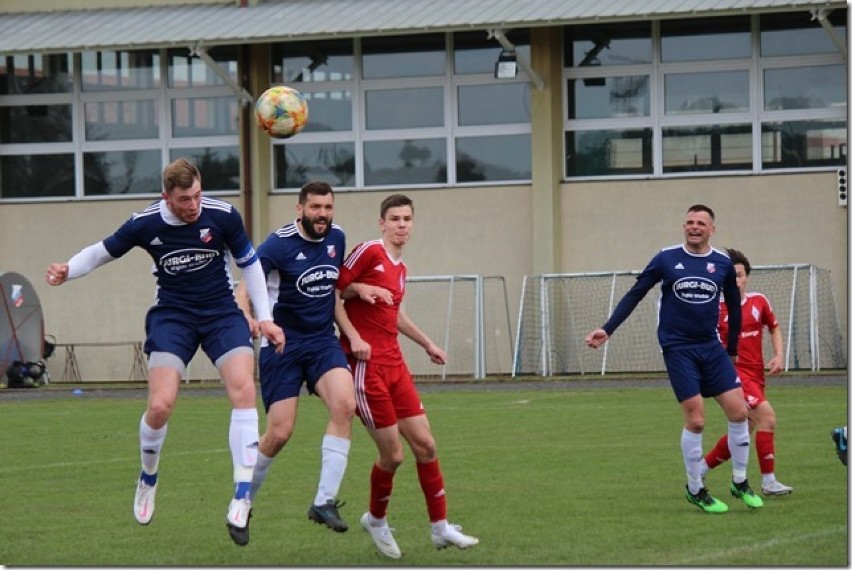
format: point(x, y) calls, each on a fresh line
point(170, 218)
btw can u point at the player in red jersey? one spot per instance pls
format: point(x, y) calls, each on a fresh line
point(372, 282)
point(756, 314)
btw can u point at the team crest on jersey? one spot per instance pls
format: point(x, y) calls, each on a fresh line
point(206, 236)
point(711, 268)
point(331, 251)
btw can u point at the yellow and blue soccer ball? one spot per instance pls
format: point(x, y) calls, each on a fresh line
point(281, 112)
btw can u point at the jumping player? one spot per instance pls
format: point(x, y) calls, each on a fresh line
point(756, 314)
point(301, 261)
point(693, 276)
point(373, 283)
point(192, 240)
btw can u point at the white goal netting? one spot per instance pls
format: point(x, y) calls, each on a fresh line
point(467, 316)
point(558, 310)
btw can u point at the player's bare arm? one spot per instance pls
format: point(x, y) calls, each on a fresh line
point(776, 363)
point(407, 327)
point(243, 301)
point(369, 293)
point(360, 348)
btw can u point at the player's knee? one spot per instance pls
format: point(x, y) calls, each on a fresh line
point(159, 411)
point(342, 410)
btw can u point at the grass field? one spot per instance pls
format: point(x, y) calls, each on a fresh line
point(571, 477)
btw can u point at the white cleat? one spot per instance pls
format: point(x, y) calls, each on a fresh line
point(143, 503)
point(382, 537)
point(452, 536)
point(239, 513)
point(776, 488)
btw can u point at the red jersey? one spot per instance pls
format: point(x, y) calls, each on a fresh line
point(369, 263)
point(756, 314)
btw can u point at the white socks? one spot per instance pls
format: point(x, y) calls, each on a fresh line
point(690, 445)
point(150, 444)
point(738, 444)
point(243, 440)
point(335, 454)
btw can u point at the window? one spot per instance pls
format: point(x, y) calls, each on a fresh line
point(692, 96)
point(387, 111)
point(130, 122)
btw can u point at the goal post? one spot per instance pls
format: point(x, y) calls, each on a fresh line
point(558, 310)
point(466, 315)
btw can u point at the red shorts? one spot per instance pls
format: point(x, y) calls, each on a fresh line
point(384, 393)
point(754, 386)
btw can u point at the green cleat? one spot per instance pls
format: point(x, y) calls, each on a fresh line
point(744, 492)
point(705, 502)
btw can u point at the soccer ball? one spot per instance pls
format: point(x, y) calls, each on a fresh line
point(281, 112)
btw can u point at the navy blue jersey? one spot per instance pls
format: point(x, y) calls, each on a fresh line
point(301, 275)
point(191, 261)
point(692, 286)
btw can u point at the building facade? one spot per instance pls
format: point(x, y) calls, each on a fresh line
point(618, 117)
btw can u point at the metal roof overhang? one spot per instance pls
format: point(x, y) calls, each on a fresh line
point(286, 20)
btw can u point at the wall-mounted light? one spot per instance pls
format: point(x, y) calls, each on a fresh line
point(506, 66)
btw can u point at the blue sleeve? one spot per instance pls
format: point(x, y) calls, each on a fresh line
point(646, 281)
point(122, 241)
point(238, 240)
point(732, 299)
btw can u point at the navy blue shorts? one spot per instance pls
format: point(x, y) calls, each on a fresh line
point(304, 360)
point(705, 370)
point(181, 332)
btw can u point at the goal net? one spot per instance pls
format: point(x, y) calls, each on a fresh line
point(467, 316)
point(558, 311)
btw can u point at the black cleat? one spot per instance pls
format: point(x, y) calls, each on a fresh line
point(327, 514)
point(239, 534)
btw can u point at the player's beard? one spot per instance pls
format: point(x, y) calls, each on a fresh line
point(308, 226)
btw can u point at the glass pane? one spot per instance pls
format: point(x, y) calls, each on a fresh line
point(812, 87)
point(35, 73)
point(797, 33)
point(795, 144)
point(606, 97)
point(219, 166)
point(692, 149)
point(711, 92)
point(117, 70)
point(403, 56)
point(205, 116)
point(35, 124)
point(37, 176)
point(607, 44)
point(420, 161)
point(475, 52)
point(480, 159)
point(122, 120)
point(706, 39)
point(494, 104)
point(186, 70)
point(296, 164)
point(293, 62)
point(122, 172)
point(600, 153)
point(329, 111)
point(405, 108)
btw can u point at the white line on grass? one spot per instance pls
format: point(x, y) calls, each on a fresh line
point(766, 544)
point(64, 464)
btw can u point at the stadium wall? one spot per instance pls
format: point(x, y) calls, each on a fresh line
point(607, 226)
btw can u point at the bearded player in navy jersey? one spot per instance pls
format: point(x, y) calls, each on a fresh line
point(693, 277)
point(192, 241)
point(301, 261)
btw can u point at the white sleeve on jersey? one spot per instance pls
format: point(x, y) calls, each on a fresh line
point(88, 259)
point(256, 288)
